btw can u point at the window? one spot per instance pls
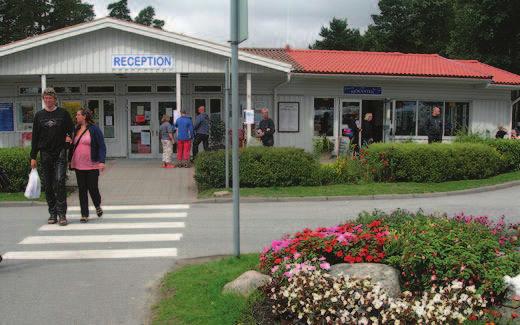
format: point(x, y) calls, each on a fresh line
point(425, 112)
point(215, 107)
point(139, 89)
point(323, 117)
point(100, 89)
point(67, 89)
point(30, 90)
point(165, 89)
point(405, 117)
point(109, 118)
point(456, 118)
point(93, 105)
point(208, 89)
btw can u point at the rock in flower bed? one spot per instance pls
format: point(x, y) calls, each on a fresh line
point(454, 263)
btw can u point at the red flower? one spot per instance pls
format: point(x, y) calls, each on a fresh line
point(375, 223)
point(472, 317)
point(369, 258)
point(514, 315)
point(358, 259)
point(278, 261)
point(328, 249)
point(339, 254)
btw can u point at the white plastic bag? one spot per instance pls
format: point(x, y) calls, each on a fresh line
point(34, 186)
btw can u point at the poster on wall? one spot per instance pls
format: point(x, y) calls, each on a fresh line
point(6, 117)
point(249, 116)
point(26, 139)
point(288, 117)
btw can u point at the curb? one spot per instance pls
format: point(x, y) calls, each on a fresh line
point(18, 204)
point(363, 197)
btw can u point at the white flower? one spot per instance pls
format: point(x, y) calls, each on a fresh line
point(456, 284)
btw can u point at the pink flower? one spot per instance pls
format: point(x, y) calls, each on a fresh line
point(275, 268)
point(325, 266)
point(297, 255)
point(434, 277)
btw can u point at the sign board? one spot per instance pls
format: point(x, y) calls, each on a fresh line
point(288, 117)
point(249, 116)
point(6, 117)
point(142, 61)
point(243, 25)
point(354, 90)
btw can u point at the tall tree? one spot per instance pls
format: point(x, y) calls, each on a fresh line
point(487, 30)
point(338, 36)
point(420, 26)
point(68, 12)
point(119, 9)
point(147, 17)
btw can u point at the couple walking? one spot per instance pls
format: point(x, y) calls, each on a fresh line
point(53, 134)
point(186, 132)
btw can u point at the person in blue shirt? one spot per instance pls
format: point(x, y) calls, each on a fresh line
point(184, 127)
point(201, 128)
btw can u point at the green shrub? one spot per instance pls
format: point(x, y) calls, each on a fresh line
point(434, 163)
point(15, 163)
point(322, 145)
point(510, 149)
point(260, 167)
point(351, 171)
point(327, 174)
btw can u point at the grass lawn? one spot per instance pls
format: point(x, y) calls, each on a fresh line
point(192, 294)
point(4, 197)
point(371, 188)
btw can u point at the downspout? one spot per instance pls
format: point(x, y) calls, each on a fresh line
point(513, 103)
point(275, 95)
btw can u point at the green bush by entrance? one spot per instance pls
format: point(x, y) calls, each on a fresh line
point(15, 163)
point(260, 167)
point(436, 162)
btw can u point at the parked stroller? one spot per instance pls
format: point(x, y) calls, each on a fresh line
point(4, 183)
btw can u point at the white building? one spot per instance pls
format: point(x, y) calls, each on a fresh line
point(131, 74)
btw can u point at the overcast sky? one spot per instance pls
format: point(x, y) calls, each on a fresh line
point(272, 23)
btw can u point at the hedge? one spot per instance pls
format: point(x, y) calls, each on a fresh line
point(436, 162)
point(15, 163)
point(259, 167)
point(510, 148)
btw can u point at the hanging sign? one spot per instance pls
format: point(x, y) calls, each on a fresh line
point(249, 116)
point(6, 117)
point(354, 90)
point(142, 61)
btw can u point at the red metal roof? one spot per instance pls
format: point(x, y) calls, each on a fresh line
point(499, 76)
point(385, 63)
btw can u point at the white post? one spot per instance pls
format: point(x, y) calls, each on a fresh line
point(44, 85)
point(248, 105)
point(178, 92)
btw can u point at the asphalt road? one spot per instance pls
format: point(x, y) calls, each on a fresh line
point(118, 290)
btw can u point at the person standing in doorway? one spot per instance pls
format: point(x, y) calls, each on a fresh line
point(51, 135)
point(367, 130)
point(434, 126)
point(87, 158)
point(201, 129)
point(184, 127)
point(266, 129)
point(166, 133)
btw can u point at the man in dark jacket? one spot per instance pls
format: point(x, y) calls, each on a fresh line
point(51, 135)
point(201, 129)
point(434, 126)
point(266, 129)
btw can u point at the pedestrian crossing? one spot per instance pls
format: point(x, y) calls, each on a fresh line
point(148, 231)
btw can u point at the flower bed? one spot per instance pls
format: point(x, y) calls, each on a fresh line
point(447, 265)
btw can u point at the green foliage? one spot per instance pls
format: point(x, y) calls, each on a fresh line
point(259, 167)
point(509, 148)
point(351, 171)
point(436, 162)
point(15, 163)
point(119, 10)
point(217, 131)
point(338, 36)
point(322, 145)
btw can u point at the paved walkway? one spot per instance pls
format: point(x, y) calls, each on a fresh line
point(133, 181)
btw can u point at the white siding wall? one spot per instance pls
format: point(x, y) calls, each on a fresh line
point(487, 115)
point(92, 53)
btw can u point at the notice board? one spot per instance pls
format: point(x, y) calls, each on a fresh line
point(6, 117)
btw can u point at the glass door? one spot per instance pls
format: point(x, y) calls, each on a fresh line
point(350, 120)
point(164, 107)
point(140, 130)
point(213, 106)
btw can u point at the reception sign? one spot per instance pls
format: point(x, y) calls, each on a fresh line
point(142, 61)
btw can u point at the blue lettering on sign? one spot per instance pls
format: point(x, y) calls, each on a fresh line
point(352, 90)
point(142, 61)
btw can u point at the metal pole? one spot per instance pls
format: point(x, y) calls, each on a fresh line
point(236, 116)
point(226, 120)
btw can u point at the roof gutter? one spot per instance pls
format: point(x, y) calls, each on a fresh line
point(482, 81)
point(503, 87)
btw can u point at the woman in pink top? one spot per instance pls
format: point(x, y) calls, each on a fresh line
point(87, 158)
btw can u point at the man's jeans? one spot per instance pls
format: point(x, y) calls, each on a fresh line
point(54, 167)
point(198, 139)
